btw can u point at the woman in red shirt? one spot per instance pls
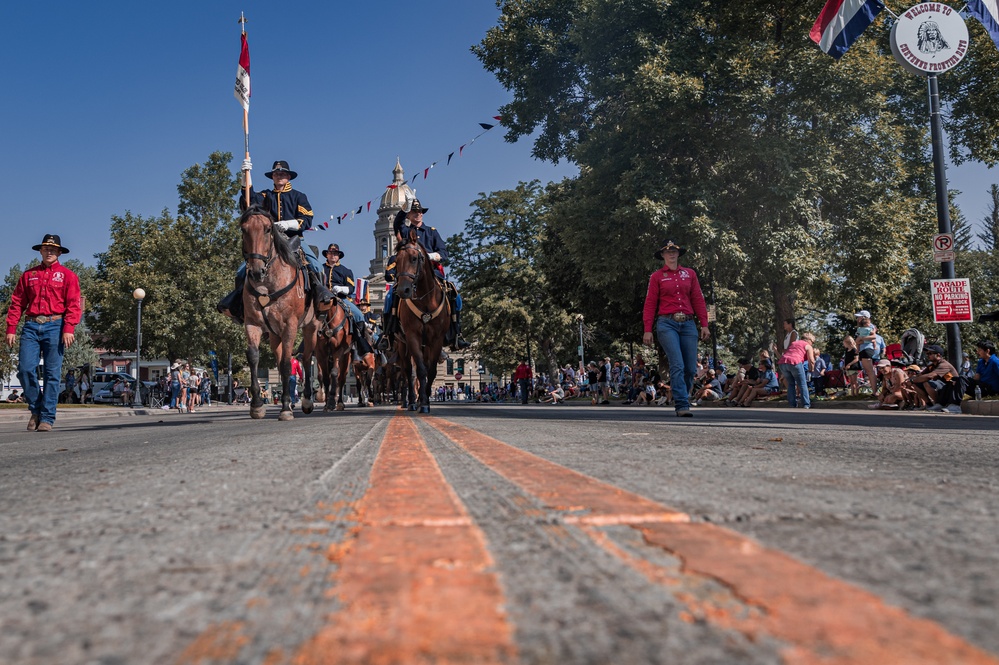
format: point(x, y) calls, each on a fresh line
point(673, 301)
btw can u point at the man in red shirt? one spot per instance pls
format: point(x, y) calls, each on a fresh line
point(522, 375)
point(672, 302)
point(49, 295)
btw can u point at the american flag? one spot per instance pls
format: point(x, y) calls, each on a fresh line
point(360, 290)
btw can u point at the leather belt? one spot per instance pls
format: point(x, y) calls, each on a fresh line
point(45, 318)
point(679, 317)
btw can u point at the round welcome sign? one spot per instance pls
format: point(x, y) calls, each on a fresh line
point(929, 38)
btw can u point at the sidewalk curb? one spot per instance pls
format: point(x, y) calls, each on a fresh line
point(63, 415)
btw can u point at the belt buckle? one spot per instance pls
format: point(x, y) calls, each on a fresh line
point(679, 317)
point(41, 318)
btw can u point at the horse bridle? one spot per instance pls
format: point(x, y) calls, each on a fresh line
point(425, 317)
point(265, 299)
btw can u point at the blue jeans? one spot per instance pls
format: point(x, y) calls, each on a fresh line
point(679, 341)
point(174, 393)
point(293, 389)
point(794, 377)
point(354, 312)
point(41, 341)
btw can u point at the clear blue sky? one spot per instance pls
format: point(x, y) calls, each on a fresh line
point(105, 104)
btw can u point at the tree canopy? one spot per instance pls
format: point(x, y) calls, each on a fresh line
point(801, 185)
point(184, 264)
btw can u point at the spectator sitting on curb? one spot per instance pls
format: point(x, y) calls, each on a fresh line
point(936, 383)
point(912, 398)
point(711, 391)
point(765, 386)
point(554, 395)
point(892, 393)
point(986, 374)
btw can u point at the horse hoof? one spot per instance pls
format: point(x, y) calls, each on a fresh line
point(286, 416)
point(340, 406)
point(424, 409)
point(258, 412)
point(307, 406)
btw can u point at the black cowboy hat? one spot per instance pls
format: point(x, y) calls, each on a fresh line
point(417, 206)
point(281, 165)
point(51, 240)
point(335, 247)
point(669, 244)
point(365, 302)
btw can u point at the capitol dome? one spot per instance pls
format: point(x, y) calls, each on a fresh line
point(395, 197)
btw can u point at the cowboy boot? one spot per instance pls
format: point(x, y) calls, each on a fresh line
point(323, 296)
point(232, 304)
point(388, 332)
point(457, 342)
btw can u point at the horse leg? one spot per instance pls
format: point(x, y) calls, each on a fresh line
point(282, 353)
point(309, 336)
point(257, 407)
point(431, 369)
point(342, 367)
point(424, 387)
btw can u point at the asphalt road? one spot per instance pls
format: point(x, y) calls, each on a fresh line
point(501, 534)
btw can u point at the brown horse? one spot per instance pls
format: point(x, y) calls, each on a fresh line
point(424, 316)
point(274, 300)
point(334, 354)
point(364, 372)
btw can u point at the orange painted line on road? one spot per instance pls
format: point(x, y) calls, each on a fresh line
point(559, 487)
point(416, 585)
point(822, 620)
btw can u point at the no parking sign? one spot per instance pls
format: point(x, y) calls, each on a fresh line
point(951, 300)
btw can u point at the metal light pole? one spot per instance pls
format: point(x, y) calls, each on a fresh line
point(943, 207)
point(138, 294)
point(582, 358)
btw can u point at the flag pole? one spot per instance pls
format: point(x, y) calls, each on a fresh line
point(246, 126)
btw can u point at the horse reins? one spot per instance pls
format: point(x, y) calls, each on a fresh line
point(266, 299)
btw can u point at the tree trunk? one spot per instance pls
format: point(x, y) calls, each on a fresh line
point(784, 296)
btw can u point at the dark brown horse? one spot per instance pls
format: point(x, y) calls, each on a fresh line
point(424, 316)
point(274, 301)
point(333, 355)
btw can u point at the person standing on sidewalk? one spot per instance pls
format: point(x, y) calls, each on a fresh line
point(673, 301)
point(49, 294)
point(523, 376)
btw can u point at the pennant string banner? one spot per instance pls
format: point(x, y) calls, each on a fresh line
point(425, 172)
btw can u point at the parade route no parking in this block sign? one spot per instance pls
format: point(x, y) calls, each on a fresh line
point(951, 300)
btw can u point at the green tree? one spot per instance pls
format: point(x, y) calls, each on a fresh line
point(509, 300)
point(184, 263)
point(798, 183)
point(990, 236)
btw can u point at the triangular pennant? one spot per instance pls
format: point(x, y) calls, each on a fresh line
point(337, 220)
point(460, 149)
point(486, 126)
point(425, 172)
point(369, 206)
point(359, 208)
point(392, 186)
point(449, 159)
point(498, 118)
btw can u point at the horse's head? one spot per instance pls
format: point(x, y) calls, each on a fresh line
point(410, 257)
point(257, 227)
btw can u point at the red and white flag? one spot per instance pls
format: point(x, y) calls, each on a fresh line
point(360, 290)
point(243, 75)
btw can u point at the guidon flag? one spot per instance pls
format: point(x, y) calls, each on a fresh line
point(987, 14)
point(842, 22)
point(242, 90)
point(360, 290)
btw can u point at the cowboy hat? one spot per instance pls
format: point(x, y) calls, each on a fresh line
point(416, 206)
point(51, 240)
point(669, 244)
point(281, 165)
point(333, 248)
point(862, 314)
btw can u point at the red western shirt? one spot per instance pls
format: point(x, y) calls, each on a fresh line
point(673, 292)
point(523, 371)
point(45, 291)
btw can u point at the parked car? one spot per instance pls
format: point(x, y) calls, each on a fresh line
point(101, 383)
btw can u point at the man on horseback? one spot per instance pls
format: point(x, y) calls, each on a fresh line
point(405, 221)
point(339, 279)
point(293, 212)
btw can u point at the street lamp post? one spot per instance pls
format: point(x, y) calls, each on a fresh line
point(582, 359)
point(138, 294)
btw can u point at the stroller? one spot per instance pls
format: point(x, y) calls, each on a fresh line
point(912, 346)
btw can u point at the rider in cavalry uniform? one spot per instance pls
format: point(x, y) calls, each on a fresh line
point(293, 212)
point(339, 279)
point(406, 221)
